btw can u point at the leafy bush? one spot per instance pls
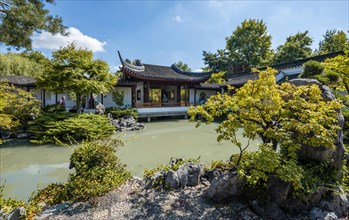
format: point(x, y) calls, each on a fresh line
point(52, 194)
point(8, 205)
point(67, 127)
point(17, 107)
point(121, 112)
point(53, 108)
point(332, 76)
point(311, 68)
point(98, 170)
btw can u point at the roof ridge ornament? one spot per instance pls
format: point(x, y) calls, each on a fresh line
point(138, 68)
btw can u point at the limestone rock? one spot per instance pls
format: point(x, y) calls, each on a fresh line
point(210, 174)
point(247, 214)
point(100, 109)
point(225, 187)
point(189, 174)
point(268, 210)
point(172, 179)
point(126, 123)
point(337, 202)
point(23, 136)
point(317, 213)
point(278, 189)
point(52, 211)
point(155, 180)
point(323, 154)
point(17, 214)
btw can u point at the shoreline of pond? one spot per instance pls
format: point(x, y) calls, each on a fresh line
point(161, 140)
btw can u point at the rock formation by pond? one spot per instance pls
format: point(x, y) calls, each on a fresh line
point(324, 154)
point(126, 123)
point(277, 201)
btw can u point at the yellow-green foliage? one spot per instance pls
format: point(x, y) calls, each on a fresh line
point(219, 77)
point(284, 116)
point(68, 127)
point(339, 65)
point(121, 112)
point(98, 170)
point(8, 204)
point(16, 106)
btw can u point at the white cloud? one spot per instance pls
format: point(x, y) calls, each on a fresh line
point(198, 70)
point(115, 68)
point(177, 19)
point(46, 40)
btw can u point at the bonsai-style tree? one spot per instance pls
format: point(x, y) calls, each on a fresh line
point(74, 70)
point(285, 117)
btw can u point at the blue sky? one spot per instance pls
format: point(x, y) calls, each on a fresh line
point(164, 32)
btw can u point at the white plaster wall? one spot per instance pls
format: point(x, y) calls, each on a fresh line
point(208, 94)
point(37, 93)
point(50, 98)
point(108, 98)
point(293, 71)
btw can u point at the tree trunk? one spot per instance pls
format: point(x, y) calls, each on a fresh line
point(78, 103)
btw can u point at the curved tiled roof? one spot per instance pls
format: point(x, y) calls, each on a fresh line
point(240, 79)
point(19, 80)
point(162, 73)
point(300, 62)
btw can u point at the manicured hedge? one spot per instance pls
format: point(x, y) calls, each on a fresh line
point(69, 128)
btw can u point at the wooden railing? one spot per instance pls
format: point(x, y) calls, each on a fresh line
point(162, 104)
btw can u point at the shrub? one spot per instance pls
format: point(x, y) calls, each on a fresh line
point(53, 108)
point(50, 195)
point(98, 170)
point(67, 127)
point(311, 68)
point(121, 112)
point(332, 76)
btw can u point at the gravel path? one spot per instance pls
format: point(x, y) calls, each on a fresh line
point(131, 201)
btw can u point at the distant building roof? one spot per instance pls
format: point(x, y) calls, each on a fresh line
point(150, 72)
point(240, 79)
point(19, 80)
point(300, 62)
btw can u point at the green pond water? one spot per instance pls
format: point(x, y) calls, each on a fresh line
point(26, 167)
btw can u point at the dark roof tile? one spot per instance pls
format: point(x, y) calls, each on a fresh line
point(163, 73)
point(19, 80)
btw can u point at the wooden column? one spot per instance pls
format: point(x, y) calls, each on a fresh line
point(179, 95)
point(133, 96)
point(146, 92)
point(102, 100)
point(43, 97)
point(186, 94)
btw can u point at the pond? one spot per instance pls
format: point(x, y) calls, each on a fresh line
point(26, 167)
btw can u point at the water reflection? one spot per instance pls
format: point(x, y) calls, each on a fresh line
point(25, 167)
